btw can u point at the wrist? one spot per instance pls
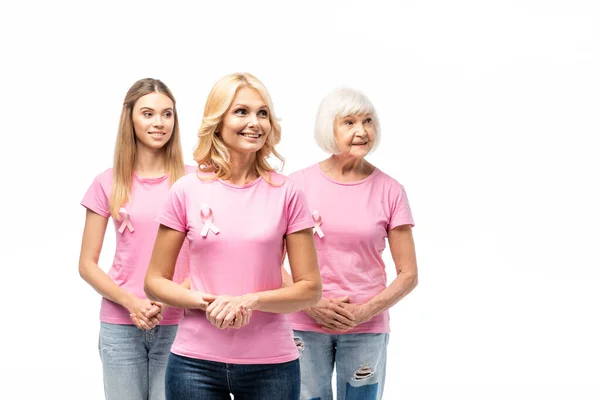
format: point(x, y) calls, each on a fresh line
point(127, 299)
point(253, 301)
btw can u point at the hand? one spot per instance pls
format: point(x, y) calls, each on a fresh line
point(230, 311)
point(330, 314)
point(361, 312)
point(144, 313)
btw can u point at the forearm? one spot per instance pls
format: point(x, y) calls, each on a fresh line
point(173, 294)
point(401, 286)
point(289, 299)
point(101, 282)
point(286, 278)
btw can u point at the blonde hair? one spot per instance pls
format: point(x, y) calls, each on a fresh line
point(340, 103)
point(211, 153)
point(125, 147)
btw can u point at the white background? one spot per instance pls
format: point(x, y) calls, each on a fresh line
point(488, 111)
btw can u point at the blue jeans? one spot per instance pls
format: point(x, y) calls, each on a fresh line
point(134, 361)
point(191, 378)
point(359, 359)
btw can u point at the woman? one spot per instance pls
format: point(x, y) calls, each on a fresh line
point(355, 206)
point(135, 333)
point(236, 212)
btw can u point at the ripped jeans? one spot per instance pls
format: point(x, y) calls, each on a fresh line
point(359, 359)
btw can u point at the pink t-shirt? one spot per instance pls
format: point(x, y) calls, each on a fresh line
point(243, 257)
point(134, 247)
point(355, 218)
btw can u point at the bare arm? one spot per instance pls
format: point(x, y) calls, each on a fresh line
point(159, 277)
point(303, 287)
point(91, 246)
point(402, 247)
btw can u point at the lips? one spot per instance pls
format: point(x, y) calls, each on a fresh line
point(156, 135)
point(250, 135)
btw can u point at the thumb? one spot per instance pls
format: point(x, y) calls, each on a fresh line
point(209, 298)
point(345, 299)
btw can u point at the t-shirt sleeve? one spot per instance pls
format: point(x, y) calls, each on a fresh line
point(96, 198)
point(173, 213)
point(400, 208)
point(298, 214)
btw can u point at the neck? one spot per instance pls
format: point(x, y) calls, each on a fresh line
point(242, 168)
point(344, 168)
point(149, 163)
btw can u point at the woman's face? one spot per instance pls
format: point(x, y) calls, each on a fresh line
point(246, 123)
point(355, 134)
point(153, 120)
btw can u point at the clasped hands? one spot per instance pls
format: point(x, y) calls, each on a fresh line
point(338, 314)
point(229, 311)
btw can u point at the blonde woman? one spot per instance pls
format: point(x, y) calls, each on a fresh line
point(236, 212)
point(135, 333)
point(355, 207)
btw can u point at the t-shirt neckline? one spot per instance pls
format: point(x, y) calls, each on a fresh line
point(324, 175)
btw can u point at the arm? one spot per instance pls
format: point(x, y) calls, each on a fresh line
point(91, 245)
point(303, 287)
point(159, 284)
point(402, 247)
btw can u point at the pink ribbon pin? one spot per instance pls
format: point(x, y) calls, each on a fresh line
point(124, 216)
point(317, 229)
point(207, 219)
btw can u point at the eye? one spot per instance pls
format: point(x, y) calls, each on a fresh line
point(240, 111)
point(348, 122)
point(263, 113)
point(147, 114)
point(168, 114)
point(368, 120)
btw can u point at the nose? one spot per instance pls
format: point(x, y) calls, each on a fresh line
point(158, 121)
point(253, 122)
point(361, 130)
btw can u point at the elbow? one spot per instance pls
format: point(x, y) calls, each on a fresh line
point(83, 271)
point(148, 286)
point(413, 280)
point(316, 292)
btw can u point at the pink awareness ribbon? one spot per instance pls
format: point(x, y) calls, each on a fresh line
point(207, 218)
point(317, 229)
point(124, 216)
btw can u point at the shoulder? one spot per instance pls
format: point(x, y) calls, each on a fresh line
point(104, 180)
point(185, 181)
point(105, 177)
point(389, 185)
point(386, 180)
point(305, 174)
point(190, 169)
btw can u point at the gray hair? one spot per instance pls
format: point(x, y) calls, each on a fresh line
point(340, 103)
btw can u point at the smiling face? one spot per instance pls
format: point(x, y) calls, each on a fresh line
point(153, 120)
point(246, 124)
point(355, 134)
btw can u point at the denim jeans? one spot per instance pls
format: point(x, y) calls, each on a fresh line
point(134, 361)
point(191, 378)
point(359, 358)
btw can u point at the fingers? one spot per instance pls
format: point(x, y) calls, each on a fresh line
point(345, 299)
point(226, 317)
point(209, 298)
point(238, 320)
point(142, 322)
point(343, 315)
point(333, 320)
point(247, 313)
point(154, 310)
